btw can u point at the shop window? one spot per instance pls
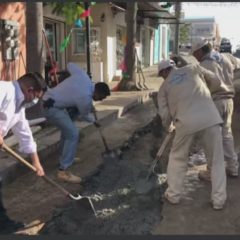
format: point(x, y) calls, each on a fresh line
point(79, 40)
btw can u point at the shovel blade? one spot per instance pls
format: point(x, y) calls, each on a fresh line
point(84, 206)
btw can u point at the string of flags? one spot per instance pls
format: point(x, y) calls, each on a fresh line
point(79, 23)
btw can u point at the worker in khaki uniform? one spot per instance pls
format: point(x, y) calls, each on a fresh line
point(222, 96)
point(234, 61)
point(185, 102)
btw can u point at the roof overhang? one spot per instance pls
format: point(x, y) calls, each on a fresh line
point(156, 14)
point(149, 10)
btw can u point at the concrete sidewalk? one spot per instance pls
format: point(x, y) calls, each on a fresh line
point(47, 137)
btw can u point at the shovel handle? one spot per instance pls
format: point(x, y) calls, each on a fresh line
point(159, 153)
point(104, 140)
point(26, 163)
point(100, 131)
point(18, 157)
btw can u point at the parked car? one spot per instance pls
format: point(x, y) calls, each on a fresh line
point(225, 45)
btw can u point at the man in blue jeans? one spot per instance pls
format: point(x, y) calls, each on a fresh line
point(75, 92)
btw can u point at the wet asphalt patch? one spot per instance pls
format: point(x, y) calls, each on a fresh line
point(120, 209)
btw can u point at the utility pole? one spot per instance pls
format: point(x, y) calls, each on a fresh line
point(177, 15)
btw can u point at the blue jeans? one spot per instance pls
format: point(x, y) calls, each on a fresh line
point(69, 134)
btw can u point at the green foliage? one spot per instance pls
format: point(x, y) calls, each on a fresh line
point(184, 33)
point(70, 10)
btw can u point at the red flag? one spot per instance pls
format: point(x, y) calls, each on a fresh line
point(86, 13)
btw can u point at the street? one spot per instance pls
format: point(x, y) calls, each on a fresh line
point(112, 187)
point(45, 199)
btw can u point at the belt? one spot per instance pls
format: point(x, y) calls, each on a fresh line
point(48, 103)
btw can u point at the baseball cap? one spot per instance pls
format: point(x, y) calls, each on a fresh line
point(165, 64)
point(198, 43)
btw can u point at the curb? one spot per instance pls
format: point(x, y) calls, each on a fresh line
point(48, 138)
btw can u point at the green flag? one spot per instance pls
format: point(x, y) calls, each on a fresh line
point(65, 42)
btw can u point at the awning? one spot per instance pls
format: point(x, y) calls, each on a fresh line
point(149, 10)
point(154, 12)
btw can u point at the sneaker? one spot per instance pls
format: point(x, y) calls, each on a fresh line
point(171, 200)
point(204, 175)
point(78, 160)
point(67, 176)
point(217, 206)
point(233, 174)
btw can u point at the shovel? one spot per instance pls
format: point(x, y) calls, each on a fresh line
point(83, 201)
point(144, 186)
point(159, 154)
point(108, 152)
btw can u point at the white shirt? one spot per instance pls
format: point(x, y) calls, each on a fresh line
point(76, 91)
point(12, 116)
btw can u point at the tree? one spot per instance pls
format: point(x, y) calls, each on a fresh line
point(184, 33)
point(34, 37)
point(72, 10)
point(128, 81)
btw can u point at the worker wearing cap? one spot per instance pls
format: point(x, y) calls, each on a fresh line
point(185, 101)
point(222, 97)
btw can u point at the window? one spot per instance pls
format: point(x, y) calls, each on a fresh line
point(50, 29)
point(79, 40)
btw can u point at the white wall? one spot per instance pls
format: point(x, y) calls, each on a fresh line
point(151, 49)
point(163, 41)
point(108, 36)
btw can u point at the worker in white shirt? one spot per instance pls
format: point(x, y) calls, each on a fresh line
point(14, 96)
point(222, 96)
point(75, 92)
point(185, 102)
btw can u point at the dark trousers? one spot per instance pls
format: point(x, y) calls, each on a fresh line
point(2, 209)
point(7, 225)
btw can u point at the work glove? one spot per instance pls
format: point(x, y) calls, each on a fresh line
point(97, 124)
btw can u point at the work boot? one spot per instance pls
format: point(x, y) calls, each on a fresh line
point(217, 206)
point(171, 200)
point(204, 175)
point(67, 176)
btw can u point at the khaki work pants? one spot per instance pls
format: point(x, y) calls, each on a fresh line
point(211, 140)
point(225, 108)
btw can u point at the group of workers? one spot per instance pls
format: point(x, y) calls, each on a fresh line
point(196, 100)
point(71, 99)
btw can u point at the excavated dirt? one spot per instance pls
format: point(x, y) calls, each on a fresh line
point(120, 209)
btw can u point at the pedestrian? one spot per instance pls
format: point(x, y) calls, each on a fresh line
point(185, 102)
point(222, 96)
point(14, 97)
point(72, 98)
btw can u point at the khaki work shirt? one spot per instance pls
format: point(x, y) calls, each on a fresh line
point(224, 72)
point(185, 99)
